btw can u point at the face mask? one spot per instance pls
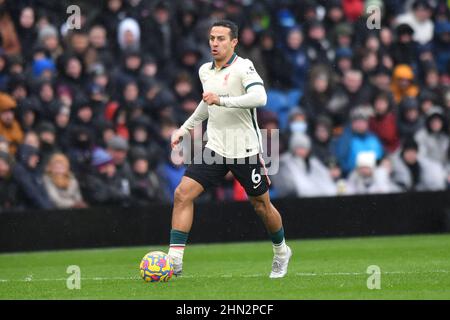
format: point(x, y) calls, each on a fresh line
point(298, 126)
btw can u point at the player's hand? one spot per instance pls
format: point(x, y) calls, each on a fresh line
point(211, 98)
point(177, 137)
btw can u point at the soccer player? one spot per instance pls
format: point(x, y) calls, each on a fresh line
point(232, 90)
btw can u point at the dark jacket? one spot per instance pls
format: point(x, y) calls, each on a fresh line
point(31, 188)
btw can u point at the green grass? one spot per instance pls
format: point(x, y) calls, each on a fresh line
point(412, 267)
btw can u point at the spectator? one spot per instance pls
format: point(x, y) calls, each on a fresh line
point(319, 98)
point(249, 49)
point(29, 114)
point(297, 57)
point(26, 30)
point(8, 35)
point(47, 138)
point(48, 40)
point(322, 140)
point(351, 93)
point(356, 138)
point(442, 46)
point(419, 18)
point(60, 183)
point(144, 135)
point(433, 139)
point(384, 121)
point(118, 147)
point(129, 34)
point(367, 178)
point(104, 186)
point(61, 121)
point(318, 47)
point(413, 172)
point(9, 127)
point(403, 83)
point(171, 171)
point(405, 50)
point(410, 121)
point(146, 185)
point(32, 192)
point(8, 186)
point(302, 174)
point(279, 72)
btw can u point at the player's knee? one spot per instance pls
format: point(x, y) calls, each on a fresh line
point(261, 207)
point(182, 195)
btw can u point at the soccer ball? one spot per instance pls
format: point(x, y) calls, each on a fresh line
point(156, 266)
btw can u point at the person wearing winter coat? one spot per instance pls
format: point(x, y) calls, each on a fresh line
point(410, 120)
point(403, 83)
point(367, 178)
point(146, 185)
point(9, 127)
point(413, 172)
point(384, 121)
point(60, 183)
point(356, 138)
point(104, 186)
point(8, 186)
point(300, 173)
point(433, 139)
point(31, 187)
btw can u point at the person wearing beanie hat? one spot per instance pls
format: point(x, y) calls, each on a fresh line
point(367, 178)
point(409, 121)
point(9, 127)
point(414, 172)
point(118, 148)
point(146, 184)
point(104, 186)
point(433, 139)
point(302, 174)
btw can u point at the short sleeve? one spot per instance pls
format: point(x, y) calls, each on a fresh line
point(250, 76)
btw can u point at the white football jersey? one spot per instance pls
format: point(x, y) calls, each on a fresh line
point(232, 132)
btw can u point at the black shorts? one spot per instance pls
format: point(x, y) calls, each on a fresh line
point(210, 170)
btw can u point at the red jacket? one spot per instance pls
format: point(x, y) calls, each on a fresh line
point(385, 127)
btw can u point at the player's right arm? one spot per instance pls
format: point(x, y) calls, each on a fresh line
point(200, 114)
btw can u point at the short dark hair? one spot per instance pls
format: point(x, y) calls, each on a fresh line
point(234, 30)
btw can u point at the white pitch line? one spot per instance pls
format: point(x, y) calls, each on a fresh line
point(256, 275)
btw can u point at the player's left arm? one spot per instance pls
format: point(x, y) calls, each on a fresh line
point(254, 96)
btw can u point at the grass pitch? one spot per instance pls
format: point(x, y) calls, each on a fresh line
point(412, 267)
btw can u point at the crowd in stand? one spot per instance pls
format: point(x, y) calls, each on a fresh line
point(362, 100)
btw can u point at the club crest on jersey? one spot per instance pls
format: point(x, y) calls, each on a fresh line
point(225, 79)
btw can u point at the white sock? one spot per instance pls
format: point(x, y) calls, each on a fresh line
point(280, 249)
point(176, 253)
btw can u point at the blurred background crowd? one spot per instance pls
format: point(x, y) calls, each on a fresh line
point(86, 114)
